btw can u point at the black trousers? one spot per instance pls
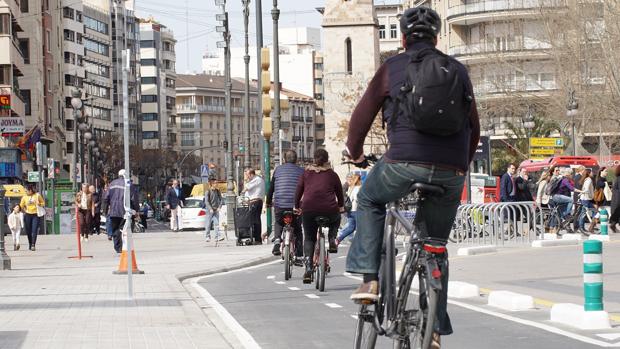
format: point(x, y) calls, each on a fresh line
point(256, 207)
point(299, 238)
point(311, 229)
point(117, 234)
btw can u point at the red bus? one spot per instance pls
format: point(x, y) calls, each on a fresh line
point(535, 168)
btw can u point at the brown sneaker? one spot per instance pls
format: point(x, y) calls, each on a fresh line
point(367, 293)
point(436, 341)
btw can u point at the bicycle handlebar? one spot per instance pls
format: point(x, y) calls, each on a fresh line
point(368, 160)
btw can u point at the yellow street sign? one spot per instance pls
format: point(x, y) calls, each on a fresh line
point(543, 151)
point(546, 142)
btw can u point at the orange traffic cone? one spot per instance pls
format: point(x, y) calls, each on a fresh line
point(122, 266)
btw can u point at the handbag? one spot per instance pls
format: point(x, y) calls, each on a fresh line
point(598, 196)
point(607, 192)
point(40, 211)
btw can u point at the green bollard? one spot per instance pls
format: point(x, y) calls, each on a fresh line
point(603, 217)
point(593, 275)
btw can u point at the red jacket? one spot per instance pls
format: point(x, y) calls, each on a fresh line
point(319, 191)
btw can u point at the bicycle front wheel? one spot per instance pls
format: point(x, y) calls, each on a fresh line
point(365, 334)
point(287, 262)
point(322, 265)
point(421, 317)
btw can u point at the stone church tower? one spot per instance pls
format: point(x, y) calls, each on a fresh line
point(351, 58)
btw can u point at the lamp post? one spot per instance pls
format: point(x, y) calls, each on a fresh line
point(275, 15)
point(259, 102)
point(76, 103)
point(4, 257)
point(528, 125)
point(247, 162)
point(572, 111)
point(489, 127)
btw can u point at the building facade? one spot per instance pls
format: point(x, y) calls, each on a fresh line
point(158, 82)
point(388, 12)
point(298, 125)
point(200, 105)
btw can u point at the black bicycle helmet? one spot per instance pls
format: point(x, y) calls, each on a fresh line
point(421, 22)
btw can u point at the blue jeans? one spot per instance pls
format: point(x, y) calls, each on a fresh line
point(215, 219)
point(349, 228)
point(388, 182)
point(108, 226)
point(564, 200)
point(31, 223)
point(588, 205)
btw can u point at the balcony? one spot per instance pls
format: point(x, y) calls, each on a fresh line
point(482, 11)
point(309, 139)
point(296, 138)
point(308, 118)
point(200, 108)
point(297, 118)
point(285, 125)
point(492, 51)
point(319, 127)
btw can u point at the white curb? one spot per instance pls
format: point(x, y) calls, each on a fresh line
point(510, 301)
point(470, 251)
point(548, 236)
point(557, 242)
point(572, 237)
point(460, 290)
point(575, 316)
point(599, 237)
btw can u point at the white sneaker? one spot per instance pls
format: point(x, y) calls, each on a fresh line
point(208, 239)
point(86, 239)
point(82, 238)
point(221, 238)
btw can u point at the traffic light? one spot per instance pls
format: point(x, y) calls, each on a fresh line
point(266, 87)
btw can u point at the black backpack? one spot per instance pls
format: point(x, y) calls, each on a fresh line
point(434, 97)
point(553, 185)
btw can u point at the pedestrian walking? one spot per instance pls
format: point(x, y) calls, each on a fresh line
point(33, 206)
point(522, 186)
point(174, 202)
point(105, 211)
point(542, 199)
point(615, 201)
point(114, 200)
point(144, 214)
point(586, 197)
point(602, 195)
point(281, 196)
point(508, 189)
point(213, 203)
point(355, 183)
point(319, 193)
point(96, 221)
point(85, 211)
point(255, 192)
point(16, 223)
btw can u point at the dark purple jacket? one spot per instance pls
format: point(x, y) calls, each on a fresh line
point(113, 199)
point(319, 192)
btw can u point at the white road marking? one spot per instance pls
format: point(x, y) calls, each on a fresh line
point(341, 257)
point(271, 277)
point(333, 305)
point(530, 323)
point(354, 316)
point(294, 288)
point(609, 336)
point(280, 282)
point(241, 333)
point(312, 296)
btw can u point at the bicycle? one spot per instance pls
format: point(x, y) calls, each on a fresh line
point(288, 248)
point(555, 221)
point(321, 254)
point(408, 323)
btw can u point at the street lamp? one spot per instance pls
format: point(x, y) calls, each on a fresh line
point(572, 111)
point(489, 128)
point(76, 103)
point(528, 125)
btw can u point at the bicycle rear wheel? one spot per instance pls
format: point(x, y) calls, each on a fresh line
point(365, 334)
point(287, 262)
point(420, 317)
point(322, 264)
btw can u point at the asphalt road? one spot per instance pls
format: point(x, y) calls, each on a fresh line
point(279, 314)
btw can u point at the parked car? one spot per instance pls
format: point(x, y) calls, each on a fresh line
point(193, 213)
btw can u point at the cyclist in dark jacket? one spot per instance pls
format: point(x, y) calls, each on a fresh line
point(114, 200)
point(412, 157)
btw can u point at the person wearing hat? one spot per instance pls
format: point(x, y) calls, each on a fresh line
point(213, 203)
point(114, 200)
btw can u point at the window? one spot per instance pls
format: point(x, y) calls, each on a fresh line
point(98, 113)
point(96, 68)
point(96, 47)
point(149, 117)
point(149, 80)
point(170, 83)
point(188, 121)
point(95, 25)
point(78, 16)
point(148, 62)
point(393, 31)
point(187, 139)
point(168, 46)
point(69, 35)
point(148, 98)
point(48, 81)
point(318, 82)
point(318, 96)
point(348, 56)
point(48, 41)
point(23, 6)
point(147, 44)
point(318, 66)
point(68, 12)
point(26, 98)
point(24, 46)
point(69, 58)
point(168, 64)
point(99, 91)
point(78, 38)
point(69, 147)
point(382, 31)
point(149, 134)
point(72, 80)
point(5, 23)
point(69, 125)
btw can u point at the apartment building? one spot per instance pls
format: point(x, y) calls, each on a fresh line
point(387, 12)
point(11, 63)
point(158, 81)
point(126, 35)
point(319, 92)
point(298, 125)
point(200, 105)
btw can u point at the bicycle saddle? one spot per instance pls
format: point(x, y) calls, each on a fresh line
point(287, 213)
point(426, 188)
point(322, 221)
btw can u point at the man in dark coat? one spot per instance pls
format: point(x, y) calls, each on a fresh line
point(114, 201)
point(174, 201)
point(508, 189)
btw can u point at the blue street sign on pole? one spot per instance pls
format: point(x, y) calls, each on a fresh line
point(204, 173)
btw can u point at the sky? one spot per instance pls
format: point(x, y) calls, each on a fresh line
point(193, 23)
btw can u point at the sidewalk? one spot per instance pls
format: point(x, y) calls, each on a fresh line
point(50, 301)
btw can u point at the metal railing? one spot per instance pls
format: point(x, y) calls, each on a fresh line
point(497, 223)
point(502, 5)
point(492, 47)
